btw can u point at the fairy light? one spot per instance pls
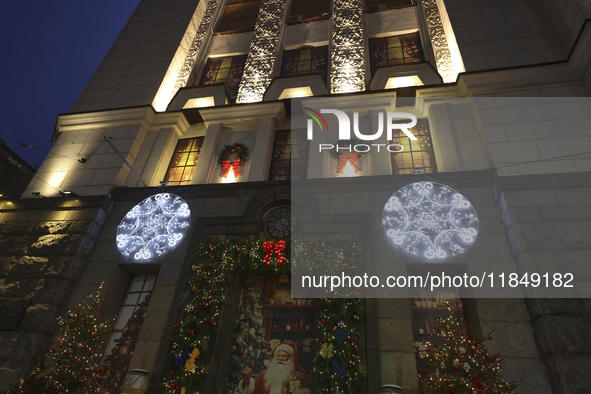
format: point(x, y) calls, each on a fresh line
point(430, 220)
point(460, 361)
point(153, 227)
point(198, 324)
point(73, 363)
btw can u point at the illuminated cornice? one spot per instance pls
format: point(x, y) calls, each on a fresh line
point(243, 114)
point(104, 119)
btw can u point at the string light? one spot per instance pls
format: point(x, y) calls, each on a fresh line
point(338, 320)
point(153, 227)
point(430, 220)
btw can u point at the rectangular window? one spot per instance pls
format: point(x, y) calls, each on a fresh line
point(418, 156)
point(309, 10)
point(182, 166)
point(126, 330)
point(225, 69)
point(239, 15)
point(290, 156)
point(376, 5)
point(425, 312)
point(305, 61)
point(393, 51)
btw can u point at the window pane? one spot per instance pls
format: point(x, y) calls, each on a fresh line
point(125, 333)
point(182, 165)
point(394, 51)
point(416, 156)
point(227, 70)
point(284, 166)
point(131, 299)
point(305, 61)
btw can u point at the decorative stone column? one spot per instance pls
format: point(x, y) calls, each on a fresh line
point(347, 60)
point(263, 51)
point(204, 27)
point(443, 58)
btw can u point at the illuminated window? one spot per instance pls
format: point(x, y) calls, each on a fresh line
point(393, 51)
point(225, 69)
point(239, 15)
point(182, 166)
point(290, 156)
point(305, 61)
point(417, 157)
point(126, 330)
point(425, 312)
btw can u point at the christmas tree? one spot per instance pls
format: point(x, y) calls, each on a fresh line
point(462, 365)
point(74, 362)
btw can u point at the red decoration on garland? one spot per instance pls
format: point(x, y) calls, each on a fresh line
point(226, 166)
point(270, 247)
point(223, 159)
point(353, 159)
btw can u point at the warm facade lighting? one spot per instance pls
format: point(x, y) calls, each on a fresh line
point(403, 82)
point(349, 170)
point(304, 91)
point(230, 177)
point(201, 102)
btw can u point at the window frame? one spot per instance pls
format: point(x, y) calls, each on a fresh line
point(398, 137)
point(233, 93)
point(288, 147)
point(198, 142)
point(287, 52)
point(374, 42)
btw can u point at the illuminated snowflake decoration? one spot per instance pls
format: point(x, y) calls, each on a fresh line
point(430, 221)
point(153, 227)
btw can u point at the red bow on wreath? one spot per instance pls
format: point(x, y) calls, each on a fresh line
point(226, 165)
point(270, 247)
point(353, 159)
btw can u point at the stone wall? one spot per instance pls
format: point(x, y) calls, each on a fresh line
point(133, 69)
point(503, 33)
point(549, 223)
point(43, 244)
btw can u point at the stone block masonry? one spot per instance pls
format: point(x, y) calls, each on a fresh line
point(43, 249)
point(548, 223)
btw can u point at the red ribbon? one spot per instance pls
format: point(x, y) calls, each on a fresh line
point(353, 159)
point(226, 165)
point(270, 247)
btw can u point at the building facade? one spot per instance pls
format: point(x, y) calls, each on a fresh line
point(500, 90)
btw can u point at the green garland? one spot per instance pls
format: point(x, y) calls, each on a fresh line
point(237, 148)
point(189, 360)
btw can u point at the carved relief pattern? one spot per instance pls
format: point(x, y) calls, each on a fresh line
point(347, 73)
point(443, 58)
point(263, 51)
point(191, 58)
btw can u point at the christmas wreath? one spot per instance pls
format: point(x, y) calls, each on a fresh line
point(241, 152)
point(352, 158)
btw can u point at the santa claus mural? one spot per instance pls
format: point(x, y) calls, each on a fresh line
point(282, 376)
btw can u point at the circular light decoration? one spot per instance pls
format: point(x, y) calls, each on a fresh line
point(153, 227)
point(430, 220)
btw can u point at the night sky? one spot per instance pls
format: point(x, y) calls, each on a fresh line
point(50, 49)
